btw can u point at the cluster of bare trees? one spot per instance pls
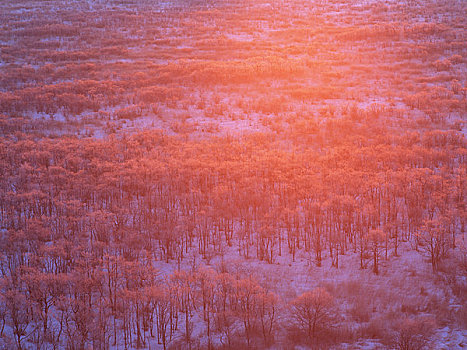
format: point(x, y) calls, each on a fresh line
point(83, 224)
point(106, 242)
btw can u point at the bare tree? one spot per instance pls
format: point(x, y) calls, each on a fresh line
point(310, 311)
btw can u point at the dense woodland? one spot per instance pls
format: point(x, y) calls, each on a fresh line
point(233, 174)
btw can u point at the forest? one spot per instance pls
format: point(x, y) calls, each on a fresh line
point(233, 174)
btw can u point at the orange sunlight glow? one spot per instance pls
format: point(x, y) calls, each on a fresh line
point(226, 174)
